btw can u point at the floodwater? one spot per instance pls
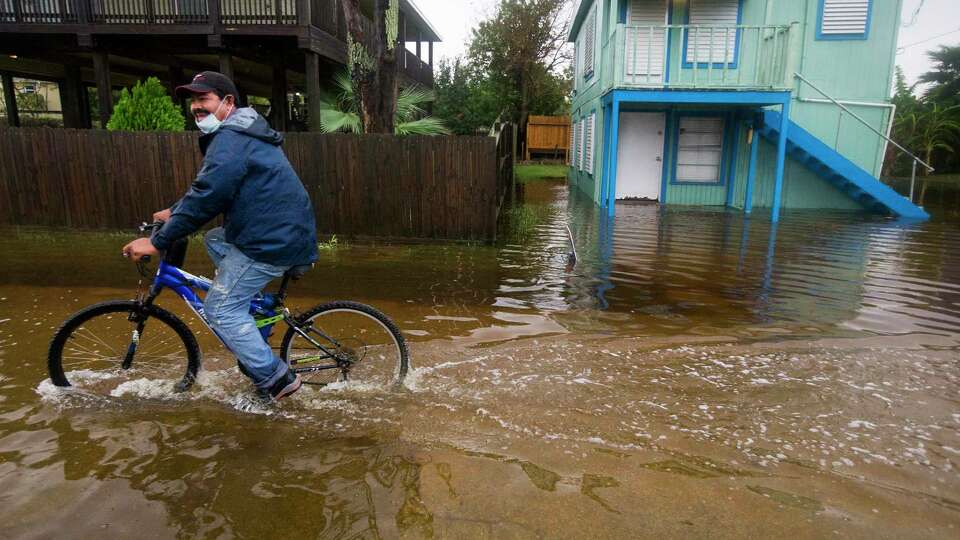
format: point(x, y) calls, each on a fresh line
point(693, 374)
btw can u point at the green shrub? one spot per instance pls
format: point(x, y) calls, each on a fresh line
point(146, 108)
point(31, 102)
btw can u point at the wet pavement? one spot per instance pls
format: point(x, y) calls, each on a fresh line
point(695, 373)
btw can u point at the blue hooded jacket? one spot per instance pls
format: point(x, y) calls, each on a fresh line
point(247, 178)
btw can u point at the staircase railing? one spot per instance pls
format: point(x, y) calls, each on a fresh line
point(844, 108)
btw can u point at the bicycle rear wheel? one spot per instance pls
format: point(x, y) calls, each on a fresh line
point(103, 346)
point(348, 341)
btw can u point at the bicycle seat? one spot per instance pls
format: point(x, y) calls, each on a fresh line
point(297, 272)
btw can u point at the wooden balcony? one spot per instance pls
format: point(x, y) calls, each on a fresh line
point(308, 20)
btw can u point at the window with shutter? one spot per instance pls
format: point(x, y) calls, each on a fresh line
point(572, 148)
point(576, 144)
point(699, 149)
point(646, 40)
point(591, 126)
point(717, 39)
point(580, 144)
point(589, 43)
point(844, 19)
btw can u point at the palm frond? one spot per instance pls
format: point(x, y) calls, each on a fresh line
point(427, 125)
point(341, 112)
point(409, 100)
point(333, 120)
point(346, 97)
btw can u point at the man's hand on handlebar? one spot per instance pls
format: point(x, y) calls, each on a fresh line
point(139, 248)
point(162, 215)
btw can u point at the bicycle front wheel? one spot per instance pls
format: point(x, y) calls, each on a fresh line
point(101, 347)
point(345, 341)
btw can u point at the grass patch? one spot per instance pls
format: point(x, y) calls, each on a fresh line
point(329, 245)
point(521, 221)
point(527, 173)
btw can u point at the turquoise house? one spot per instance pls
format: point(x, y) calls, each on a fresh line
point(745, 103)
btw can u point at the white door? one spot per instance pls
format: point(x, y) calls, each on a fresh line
point(640, 155)
point(645, 41)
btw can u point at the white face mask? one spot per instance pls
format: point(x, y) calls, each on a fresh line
point(210, 123)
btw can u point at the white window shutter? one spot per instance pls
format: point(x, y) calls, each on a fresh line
point(590, 40)
point(586, 143)
point(571, 148)
point(576, 144)
point(714, 45)
point(646, 39)
point(576, 63)
point(845, 17)
point(590, 138)
point(580, 145)
point(700, 149)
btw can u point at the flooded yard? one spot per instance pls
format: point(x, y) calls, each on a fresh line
point(695, 373)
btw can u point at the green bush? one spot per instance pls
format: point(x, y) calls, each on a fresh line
point(31, 101)
point(146, 108)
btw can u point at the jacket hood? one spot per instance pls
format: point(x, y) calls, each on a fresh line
point(248, 122)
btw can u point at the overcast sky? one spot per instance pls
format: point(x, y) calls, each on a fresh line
point(453, 19)
point(936, 24)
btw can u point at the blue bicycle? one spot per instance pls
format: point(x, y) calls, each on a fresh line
point(106, 345)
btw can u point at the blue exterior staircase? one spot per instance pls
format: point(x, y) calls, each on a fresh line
point(849, 178)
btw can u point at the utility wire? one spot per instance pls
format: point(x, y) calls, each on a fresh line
point(901, 49)
point(916, 13)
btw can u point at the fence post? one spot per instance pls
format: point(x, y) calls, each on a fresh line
point(913, 178)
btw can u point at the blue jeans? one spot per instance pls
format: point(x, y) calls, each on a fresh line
point(227, 306)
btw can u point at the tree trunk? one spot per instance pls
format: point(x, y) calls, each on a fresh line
point(374, 69)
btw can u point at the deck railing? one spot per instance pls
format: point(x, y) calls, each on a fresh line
point(149, 11)
point(417, 69)
point(324, 13)
point(700, 57)
point(42, 11)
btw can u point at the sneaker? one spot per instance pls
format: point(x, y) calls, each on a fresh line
point(285, 386)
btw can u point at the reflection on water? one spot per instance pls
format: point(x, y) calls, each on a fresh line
point(695, 371)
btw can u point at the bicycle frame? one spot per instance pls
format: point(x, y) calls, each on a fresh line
point(186, 285)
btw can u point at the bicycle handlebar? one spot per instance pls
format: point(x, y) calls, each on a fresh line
point(150, 228)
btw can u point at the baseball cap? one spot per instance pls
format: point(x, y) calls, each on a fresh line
point(208, 81)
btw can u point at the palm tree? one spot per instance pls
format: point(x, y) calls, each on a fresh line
point(932, 128)
point(945, 75)
point(341, 112)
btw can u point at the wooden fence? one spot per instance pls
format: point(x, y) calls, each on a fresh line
point(549, 135)
point(371, 185)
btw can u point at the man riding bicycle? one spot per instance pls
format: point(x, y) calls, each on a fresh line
point(268, 229)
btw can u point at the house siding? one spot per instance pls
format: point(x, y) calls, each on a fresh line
point(849, 70)
point(801, 187)
point(587, 101)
